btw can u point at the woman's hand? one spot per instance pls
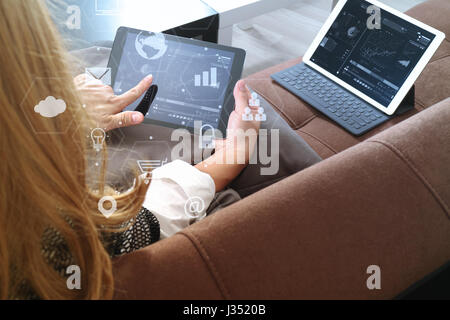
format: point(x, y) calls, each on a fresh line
point(242, 95)
point(233, 153)
point(105, 107)
point(236, 125)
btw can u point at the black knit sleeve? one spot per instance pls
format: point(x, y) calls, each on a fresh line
point(144, 231)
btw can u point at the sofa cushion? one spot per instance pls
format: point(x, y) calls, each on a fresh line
point(434, 83)
point(409, 143)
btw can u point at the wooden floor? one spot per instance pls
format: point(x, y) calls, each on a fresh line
point(286, 33)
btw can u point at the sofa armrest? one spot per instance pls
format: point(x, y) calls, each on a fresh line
point(383, 202)
point(171, 269)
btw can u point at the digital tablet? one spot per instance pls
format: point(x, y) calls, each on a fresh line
point(195, 79)
point(378, 62)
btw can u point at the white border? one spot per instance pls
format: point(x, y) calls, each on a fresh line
point(440, 36)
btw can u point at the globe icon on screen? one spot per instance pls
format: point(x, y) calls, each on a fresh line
point(151, 46)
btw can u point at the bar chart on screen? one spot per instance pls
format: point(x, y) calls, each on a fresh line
point(207, 79)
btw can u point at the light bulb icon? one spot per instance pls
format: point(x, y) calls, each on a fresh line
point(98, 136)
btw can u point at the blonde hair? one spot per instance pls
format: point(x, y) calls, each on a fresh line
point(43, 165)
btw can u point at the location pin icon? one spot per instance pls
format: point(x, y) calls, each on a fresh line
point(107, 213)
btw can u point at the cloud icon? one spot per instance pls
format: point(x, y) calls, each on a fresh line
point(50, 107)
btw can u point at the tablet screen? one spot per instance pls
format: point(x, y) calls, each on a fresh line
point(377, 62)
point(192, 79)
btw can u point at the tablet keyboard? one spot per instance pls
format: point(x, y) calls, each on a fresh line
point(338, 104)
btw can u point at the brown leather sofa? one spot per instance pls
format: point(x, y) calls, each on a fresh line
point(380, 199)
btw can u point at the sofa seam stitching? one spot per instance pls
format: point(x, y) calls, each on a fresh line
point(274, 105)
point(208, 261)
point(273, 181)
point(446, 55)
point(421, 177)
point(304, 123)
point(319, 140)
point(420, 102)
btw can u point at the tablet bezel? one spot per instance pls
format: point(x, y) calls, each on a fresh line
point(395, 103)
point(235, 74)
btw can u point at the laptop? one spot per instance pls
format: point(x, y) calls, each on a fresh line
point(362, 64)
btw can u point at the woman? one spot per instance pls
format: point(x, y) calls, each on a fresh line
point(49, 216)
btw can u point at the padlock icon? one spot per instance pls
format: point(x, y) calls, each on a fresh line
point(206, 139)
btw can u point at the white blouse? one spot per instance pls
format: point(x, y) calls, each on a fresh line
point(172, 188)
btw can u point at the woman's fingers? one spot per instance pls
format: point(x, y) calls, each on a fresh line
point(79, 79)
point(105, 107)
point(82, 80)
point(132, 95)
point(125, 119)
point(241, 96)
point(220, 144)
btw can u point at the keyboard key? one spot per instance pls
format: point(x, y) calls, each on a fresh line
point(366, 120)
point(359, 121)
